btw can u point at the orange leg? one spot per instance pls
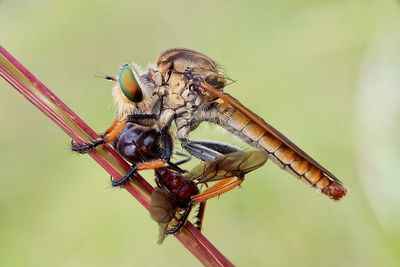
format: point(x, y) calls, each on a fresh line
point(114, 130)
point(154, 164)
point(107, 137)
point(113, 125)
point(217, 189)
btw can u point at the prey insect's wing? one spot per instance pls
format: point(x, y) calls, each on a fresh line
point(162, 210)
point(280, 149)
point(229, 165)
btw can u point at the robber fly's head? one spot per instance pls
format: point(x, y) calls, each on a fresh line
point(132, 90)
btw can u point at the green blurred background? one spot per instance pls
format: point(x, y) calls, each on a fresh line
point(326, 73)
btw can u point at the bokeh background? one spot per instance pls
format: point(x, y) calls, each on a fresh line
point(326, 73)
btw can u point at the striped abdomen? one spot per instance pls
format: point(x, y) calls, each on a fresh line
point(283, 152)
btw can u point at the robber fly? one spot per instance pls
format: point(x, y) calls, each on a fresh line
point(138, 100)
point(196, 94)
point(186, 89)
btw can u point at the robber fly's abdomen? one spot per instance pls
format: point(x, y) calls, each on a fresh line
point(285, 157)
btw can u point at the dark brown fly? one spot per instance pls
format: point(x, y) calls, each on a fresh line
point(177, 192)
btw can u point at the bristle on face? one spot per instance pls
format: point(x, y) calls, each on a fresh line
point(124, 105)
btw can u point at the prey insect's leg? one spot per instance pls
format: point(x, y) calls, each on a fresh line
point(181, 221)
point(219, 188)
point(108, 137)
point(200, 216)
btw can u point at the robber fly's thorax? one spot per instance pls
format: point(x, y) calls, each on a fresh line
point(182, 101)
point(177, 101)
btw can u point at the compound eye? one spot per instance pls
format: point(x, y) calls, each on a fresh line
point(129, 85)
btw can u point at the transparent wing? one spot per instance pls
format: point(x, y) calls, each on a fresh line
point(281, 150)
point(268, 128)
point(229, 165)
point(162, 210)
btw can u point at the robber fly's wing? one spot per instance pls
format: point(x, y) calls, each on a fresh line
point(229, 165)
point(280, 149)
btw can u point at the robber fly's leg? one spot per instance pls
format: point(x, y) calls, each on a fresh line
point(167, 148)
point(220, 147)
point(186, 158)
point(121, 181)
point(181, 221)
point(107, 137)
point(207, 151)
point(114, 130)
point(200, 216)
point(148, 165)
point(219, 188)
point(166, 144)
point(194, 82)
point(143, 119)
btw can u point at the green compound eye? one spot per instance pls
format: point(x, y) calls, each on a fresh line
point(129, 85)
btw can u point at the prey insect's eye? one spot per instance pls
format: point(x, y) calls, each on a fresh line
point(129, 85)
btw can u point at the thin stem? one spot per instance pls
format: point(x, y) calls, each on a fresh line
point(47, 102)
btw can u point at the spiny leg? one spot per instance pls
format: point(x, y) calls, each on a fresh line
point(187, 158)
point(114, 130)
point(217, 189)
point(200, 216)
point(107, 137)
point(181, 221)
point(135, 168)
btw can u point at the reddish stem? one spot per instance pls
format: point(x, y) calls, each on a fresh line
point(47, 102)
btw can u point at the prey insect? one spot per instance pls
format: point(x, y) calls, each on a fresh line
point(177, 192)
